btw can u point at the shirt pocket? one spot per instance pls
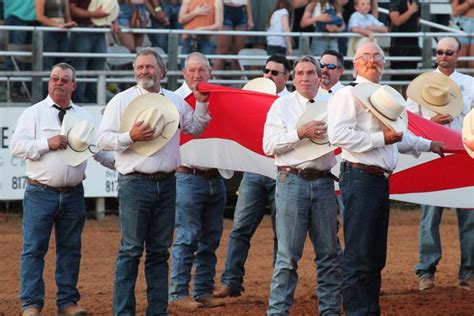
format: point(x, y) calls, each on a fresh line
point(49, 131)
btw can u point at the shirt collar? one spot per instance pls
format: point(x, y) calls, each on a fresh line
point(360, 79)
point(49, 102)
point(302, 99)
point(186, 89)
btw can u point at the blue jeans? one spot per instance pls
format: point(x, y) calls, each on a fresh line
point(430, 243)
point(204, 46)
point(366, 217)
point(147, 213)
point(161, 40)
point(305, 207)
point(199, 223)
point(320, 44)
point(87, 43)
point(54, 42)
point(255, 191)
point(43, 209)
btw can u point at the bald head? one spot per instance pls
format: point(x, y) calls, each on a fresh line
point(450, 42)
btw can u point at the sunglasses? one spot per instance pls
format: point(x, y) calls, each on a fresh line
point(328, 66)
point(447, 53)
point(273, 72)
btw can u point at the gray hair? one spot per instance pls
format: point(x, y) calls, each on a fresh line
point(65, 66)
point(198, 55)
point(151, 51)
point(309, 59)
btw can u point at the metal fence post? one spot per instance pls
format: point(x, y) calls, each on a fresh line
point(173, 59)
point(101, 88)
point(37, 65)
point(426, 53)
point(100, 209)
point(304, 45)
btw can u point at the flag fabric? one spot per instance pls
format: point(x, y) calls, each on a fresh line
point(233, 140)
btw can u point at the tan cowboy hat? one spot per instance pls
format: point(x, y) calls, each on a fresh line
point(108, 6)
point(81, 139)
point(313, 148)
point(437, 92)
point(385, 103)
point(263, 85)
point(157, 111)
point(468, 132)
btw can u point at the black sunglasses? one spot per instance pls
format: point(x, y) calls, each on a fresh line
point(447, 53)
point(329, 66)
point(273, 72)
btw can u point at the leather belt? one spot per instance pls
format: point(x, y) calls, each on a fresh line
point(308, 174)
point(208, 174)
point(55, 189)
point(156, 176)
point(373, 170)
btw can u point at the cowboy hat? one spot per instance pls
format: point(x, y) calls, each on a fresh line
point(385, 103)
point(263, 85)
point(81, 139)
point(312, 148)
point(111, 7)
point(157, 111)
point(468, 132)
point(437, 92)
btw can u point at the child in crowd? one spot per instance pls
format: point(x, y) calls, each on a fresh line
point(279, 21)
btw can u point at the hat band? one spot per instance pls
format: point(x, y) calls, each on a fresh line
point(88, 147)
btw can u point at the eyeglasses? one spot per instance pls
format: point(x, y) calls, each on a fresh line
point(273, 72)
point(366, 57)
point(440, 52)
point(328, 66)
point(64, 80)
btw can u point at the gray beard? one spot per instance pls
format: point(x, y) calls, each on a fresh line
point(145, 83)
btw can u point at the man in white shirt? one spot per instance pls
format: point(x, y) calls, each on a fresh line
point(54, 196)
point(304, 198)
point(147, 193)
point(200, 203)
point(332, 68)
point(255, 192)
point(447, 53)
point(370, 154)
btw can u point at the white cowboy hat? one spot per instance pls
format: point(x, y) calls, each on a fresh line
point(158, 112)
point(308, 148)
point(385, 103)
point(437, 92)
point(111, 7)
point(263, 85)
point(468, 131)
point(81, 139)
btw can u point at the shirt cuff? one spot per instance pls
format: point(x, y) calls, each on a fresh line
point(293, 137)
point(424, 145)
point(378, 140)
point(43, 145)
point(201, 108)
point(124, 139)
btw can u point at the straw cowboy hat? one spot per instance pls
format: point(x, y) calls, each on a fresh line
point(468, 132)
point(313, 148)
point(158, 112)
point(111, 7)
point(385, 103)
point(437, 92)
point(81, 139)
point(263, 85)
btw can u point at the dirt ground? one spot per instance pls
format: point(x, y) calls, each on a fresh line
point(399, 289)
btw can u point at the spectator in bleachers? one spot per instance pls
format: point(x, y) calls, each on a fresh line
point(19, 13)
point(279, 21)
point(133, 14)
point(463, 17)
point(203, 15)
point(82, 42)
point(55, 14)
point(364, 23)
point(405, 17)
point(260, 11)
point(326, 15)
point(163, 15)
point(299, 7)
point(238, 17)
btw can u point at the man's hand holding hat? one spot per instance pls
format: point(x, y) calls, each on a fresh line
point(141, 132)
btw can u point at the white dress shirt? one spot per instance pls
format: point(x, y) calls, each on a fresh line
point(352, 127)
point(280, 135)
point(466, 84)
point(283, 92)
point(30, 142)
point(336, 87)
point(167, 158)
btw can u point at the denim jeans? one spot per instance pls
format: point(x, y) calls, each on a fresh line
point(87, 43)
point(320, 44)
point(255, 191)
point(204, 46)
point(147, 213)
point(305, 207)
point(199, 223)
point(366, 217)
point(161, 40)
point(43, 209)
point(18, 37)
point(430, 243)
point(54, 42)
